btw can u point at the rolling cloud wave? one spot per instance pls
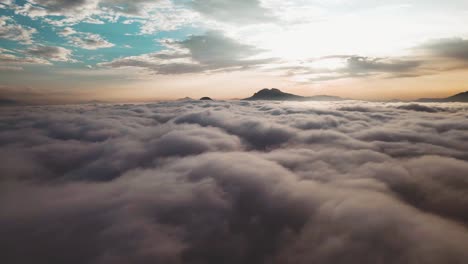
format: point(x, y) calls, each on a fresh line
point(234, 182)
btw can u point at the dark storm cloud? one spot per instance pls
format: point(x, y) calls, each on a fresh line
point(234, 182)
point(199, 53)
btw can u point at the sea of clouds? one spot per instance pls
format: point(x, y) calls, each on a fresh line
point(234, 182)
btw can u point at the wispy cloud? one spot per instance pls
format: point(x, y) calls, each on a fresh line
point(203, 53)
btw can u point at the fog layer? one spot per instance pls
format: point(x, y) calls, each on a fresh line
point(234, 182)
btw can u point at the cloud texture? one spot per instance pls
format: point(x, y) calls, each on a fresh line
point(234, 182)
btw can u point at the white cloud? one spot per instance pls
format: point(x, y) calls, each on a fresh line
point(67, 31)
point(10, 30)
point(88, 41)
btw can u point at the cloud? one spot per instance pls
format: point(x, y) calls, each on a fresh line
point(455, 48)
point(199, 53)
point(10, 60)
point(153, 15)
point(421, 108)
point(14, 59)
point(10, 30)
point(358, 64)
point(88, 41)
point(336, 67)
point(136, 8)
point(78, 8)
point(50, 53)
point(238, 12)
point(67, 31)
point(84, 40)
point(234, 182)
point(5, 2)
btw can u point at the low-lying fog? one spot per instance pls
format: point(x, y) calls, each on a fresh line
point(234, 182)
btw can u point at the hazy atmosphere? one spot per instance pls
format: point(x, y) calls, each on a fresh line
point(236, 132)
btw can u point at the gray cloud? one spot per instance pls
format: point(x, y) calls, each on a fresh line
point(371, 65)
point(14, 59)
point(51, 53)
point(79, 8)
point(421, 108)
point(454, 54)
point(455, 48)
point(210, 52)
point(353, 66)
point(234, 182)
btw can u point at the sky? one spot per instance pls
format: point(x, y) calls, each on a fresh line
point(115, 50)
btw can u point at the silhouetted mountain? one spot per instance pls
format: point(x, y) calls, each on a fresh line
point(273, 94)
point(8, 102)
point(461, 97)
point(94, 102)
point(278, 95)
point(185, 99)
point(206, 99)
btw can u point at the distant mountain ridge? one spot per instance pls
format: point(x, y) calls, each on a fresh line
point(461, 97)
point(8, 102)
point(274, 94)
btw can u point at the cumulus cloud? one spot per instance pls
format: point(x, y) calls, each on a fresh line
point(152, 15)
point(88, 41)
point(67, 31)
point(39, 8)
point(84, 40)
point(50, 53)
point(234, 182)
point(199, 53)
point(12, 61)
point(10, 30)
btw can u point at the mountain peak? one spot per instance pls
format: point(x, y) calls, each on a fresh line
point(275, 94)
point(461, 97)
